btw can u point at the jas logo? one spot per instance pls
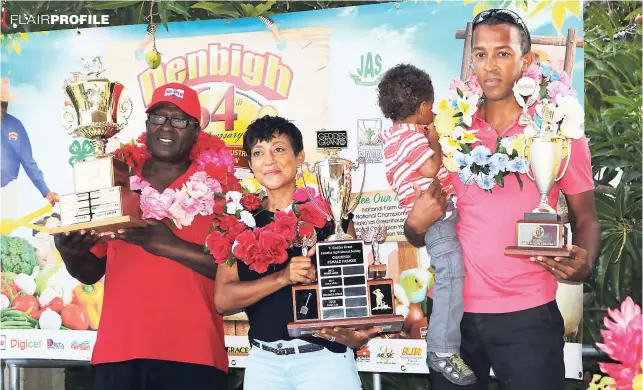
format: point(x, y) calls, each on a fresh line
point(369, 72)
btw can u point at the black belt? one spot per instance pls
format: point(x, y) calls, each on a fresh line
point(287, 351)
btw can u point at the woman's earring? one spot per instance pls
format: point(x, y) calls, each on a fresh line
point(471, 66)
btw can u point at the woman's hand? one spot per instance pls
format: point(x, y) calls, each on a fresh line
point(300, 269)
point(354, 339)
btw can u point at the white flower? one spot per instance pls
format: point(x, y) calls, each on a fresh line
point(234, 202)
point(247, 218)
point(449, 145)
point(468, 106)
point(530, 130)
point(571, 113)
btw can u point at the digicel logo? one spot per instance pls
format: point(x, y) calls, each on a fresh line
point(24, 344)
point(245, 69)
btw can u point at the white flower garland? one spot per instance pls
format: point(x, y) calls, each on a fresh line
point(477, 164)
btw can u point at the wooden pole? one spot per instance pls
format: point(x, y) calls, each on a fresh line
point(466, 54)
point(549, 41)
point(570, 52)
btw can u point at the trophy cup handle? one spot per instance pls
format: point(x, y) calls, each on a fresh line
point(310, 196)
point(126, 108)
point(68, 118)
point(568, 146)
point(525, 147)
point(361, 161)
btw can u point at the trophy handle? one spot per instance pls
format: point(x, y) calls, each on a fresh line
point(361, 161)
point(126, 108)
point(567, 145)
point(310, 196)
point(524, 156)
point(68, 118)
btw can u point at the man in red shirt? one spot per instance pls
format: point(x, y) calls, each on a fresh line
point(159, 328)
point(511, 321)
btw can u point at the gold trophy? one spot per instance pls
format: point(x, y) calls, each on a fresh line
point(97, 109)
point(343, 296)
point(542, 232)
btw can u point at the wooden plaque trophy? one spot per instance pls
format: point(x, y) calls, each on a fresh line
point(343, 296)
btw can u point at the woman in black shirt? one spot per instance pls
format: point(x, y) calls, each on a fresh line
point(275, 152)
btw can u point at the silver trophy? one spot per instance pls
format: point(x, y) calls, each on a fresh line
point(334, 181)
point(541, 232)
point(375, 235)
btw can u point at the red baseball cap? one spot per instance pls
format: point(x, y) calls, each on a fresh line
point(180, 95)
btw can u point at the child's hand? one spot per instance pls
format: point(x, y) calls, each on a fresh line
point(429, 131)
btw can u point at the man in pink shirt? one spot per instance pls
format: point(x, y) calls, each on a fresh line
point(511, 321)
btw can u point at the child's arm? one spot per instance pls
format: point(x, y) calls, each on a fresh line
point(431, 167)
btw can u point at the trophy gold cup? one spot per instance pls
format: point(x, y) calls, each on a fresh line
point(343, 296)
point(542, 232)
point(97, 109)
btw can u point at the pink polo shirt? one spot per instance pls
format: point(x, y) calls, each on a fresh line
point(496, 283)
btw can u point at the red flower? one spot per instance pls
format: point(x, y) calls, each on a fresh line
point(309, 213)
point(205, 142)
point(219, 206)
point(219, 173)
point(259, 261)
point(284, 225)
point(246, 246)
point(142, 139)
point(274, 247)
point(232, 183)
point(219, 246)
point(305, 230)
point(231, 226)
point(250, 202)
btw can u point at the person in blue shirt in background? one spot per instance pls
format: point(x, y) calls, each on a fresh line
point(16, 151)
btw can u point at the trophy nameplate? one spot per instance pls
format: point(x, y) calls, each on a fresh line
point(99, 210)
point(99, 173)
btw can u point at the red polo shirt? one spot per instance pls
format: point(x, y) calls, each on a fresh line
point(157, 308)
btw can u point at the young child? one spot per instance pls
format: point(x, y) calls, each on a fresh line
point(405, 96)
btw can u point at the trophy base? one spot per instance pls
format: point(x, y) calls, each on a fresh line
point(530, 252)
point(340, 237)
point(389, 324)
point(103, 225)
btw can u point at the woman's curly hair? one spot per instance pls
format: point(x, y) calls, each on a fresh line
point(401, 91)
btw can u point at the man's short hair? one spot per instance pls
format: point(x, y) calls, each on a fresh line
point(402, 90)
point(494, 17)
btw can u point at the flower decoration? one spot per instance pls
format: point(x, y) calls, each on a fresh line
point(622, 342)
point(477, 164)
point(236, 237)
point(198, 196)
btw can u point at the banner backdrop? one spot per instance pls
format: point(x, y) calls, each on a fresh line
point(320, 69)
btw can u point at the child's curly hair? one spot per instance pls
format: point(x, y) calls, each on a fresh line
point(401, 91)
